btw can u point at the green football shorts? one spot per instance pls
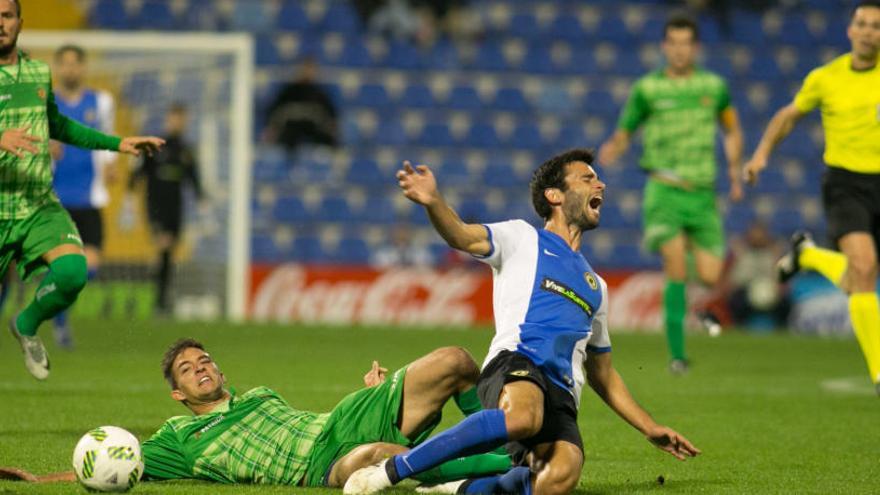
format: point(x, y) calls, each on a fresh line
point(367, 416)
point(26, 240)
point(668, 210)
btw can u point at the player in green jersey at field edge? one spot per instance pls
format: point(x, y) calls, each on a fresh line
point(679, 107)
point(256, 437)
point(35, 230)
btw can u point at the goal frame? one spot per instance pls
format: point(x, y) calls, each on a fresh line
point(240, 46)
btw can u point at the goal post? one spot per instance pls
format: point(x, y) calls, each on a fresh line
point(214, 74)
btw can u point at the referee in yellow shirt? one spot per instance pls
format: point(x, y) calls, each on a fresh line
point(847, 91)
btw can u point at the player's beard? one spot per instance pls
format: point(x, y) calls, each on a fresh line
point(575, 208)
point(7, 49)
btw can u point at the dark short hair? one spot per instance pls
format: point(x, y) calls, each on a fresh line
point(172, 353)
point(681, 21)
point(75, 49)
point(864, 3)
point(552, 174)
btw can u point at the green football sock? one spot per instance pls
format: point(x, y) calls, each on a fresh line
point(468, 402)
point(475, 466)
point(58, 290)
point(674, 307)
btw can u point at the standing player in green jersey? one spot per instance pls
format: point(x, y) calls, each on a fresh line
point(256, 437)
point(35, 230)
point(679, 107)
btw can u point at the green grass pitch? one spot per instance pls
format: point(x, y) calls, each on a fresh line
point(773, 414)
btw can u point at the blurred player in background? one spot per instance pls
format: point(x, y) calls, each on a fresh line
point(79, 173)
point(680, 106)
point(847, 91)
point(35, 230)
point(167, 173)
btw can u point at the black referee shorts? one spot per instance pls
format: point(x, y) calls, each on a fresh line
point(852, 203)
point(90, 226)
point(560, 410)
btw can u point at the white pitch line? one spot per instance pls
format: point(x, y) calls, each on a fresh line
point(853, 385)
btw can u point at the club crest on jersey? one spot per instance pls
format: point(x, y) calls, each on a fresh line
point(591, 280)
point(89, 116)
point(41, 93)
point(706, 100)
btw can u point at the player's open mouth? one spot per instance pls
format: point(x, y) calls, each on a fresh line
point(204, 379)
point(595, 203)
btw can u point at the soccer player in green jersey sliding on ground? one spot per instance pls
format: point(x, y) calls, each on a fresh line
point(256, 437)
point(679, 107)
point(35, 230)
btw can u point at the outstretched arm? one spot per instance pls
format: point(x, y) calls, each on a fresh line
point(72, 132)
point(779, 127)
point(420, 186)
point(733, 149)
point(615, 147)
point(16, 474)
point(608, 384)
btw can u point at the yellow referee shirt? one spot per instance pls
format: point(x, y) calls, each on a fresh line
point(850, 105)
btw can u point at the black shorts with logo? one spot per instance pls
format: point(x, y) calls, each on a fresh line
point(88, 223)
point(560, 410)
point(852, 203)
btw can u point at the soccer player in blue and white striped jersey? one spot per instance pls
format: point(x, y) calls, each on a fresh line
point(551, 336)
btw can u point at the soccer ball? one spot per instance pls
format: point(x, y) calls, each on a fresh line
point(108, 459)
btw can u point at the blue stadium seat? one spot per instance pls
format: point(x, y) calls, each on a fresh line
point(250, 16)
point(263, 249)
point(335, 209)
point(523, 24)
point(787, 220)
point(600, 102)
point(390, 132)
point(612, 28)
point(482, 135)
point(501, 175)
point(614, 217)
point(738, 219)
point(745, 27)
point(352, 251)
point(443, 56)
point(489, 56)
point(355, 54)
point(436, 134)
point(474, 209)
point(403, 55)
point(380, 209)
point(455, 173)
point(464, 98)
point(291, 209)
point(154, 15)
point(292, 17)
point(794, 31)
point(526, 136)
point(372, 95)
point(538, 60)
point(109, 14)
point(340, 17)
point(307, 249)
point(417, 96)
point(569, 28)
point(511, 100)
point(366, 172)
point(143, 88)
point(266, 50)
point(571, 135)
point(764, 67)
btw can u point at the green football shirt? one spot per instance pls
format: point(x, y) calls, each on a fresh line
point(680, 119)
point(26, 99)
point(254, 438)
